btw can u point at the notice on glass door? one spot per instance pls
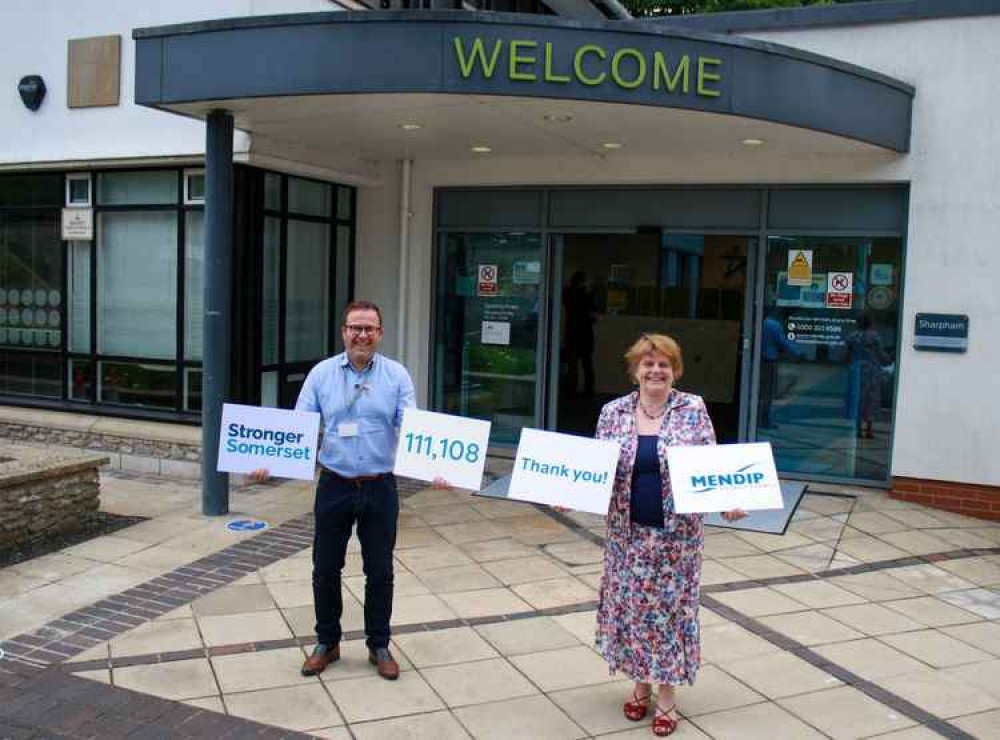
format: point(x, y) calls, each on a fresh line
point(496, 332)
point(800, 266)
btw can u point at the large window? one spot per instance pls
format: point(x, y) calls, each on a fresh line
point(117, 321)
point(31, 285)
point(307, 245)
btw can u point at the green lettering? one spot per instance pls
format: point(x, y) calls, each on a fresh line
point(468, 62)
point(551, 76)
point(661, 73)
point(704, 77)
point(640, 61)
point(518, 59)
point(578, 64)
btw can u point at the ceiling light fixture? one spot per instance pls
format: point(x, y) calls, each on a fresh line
point(481, 149)
point(557, 118)
point(752, 142)
point(612, 145)
point(410, 126)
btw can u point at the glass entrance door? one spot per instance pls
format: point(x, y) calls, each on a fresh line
point(488, 340)
point(614, 287)
point(828, 341)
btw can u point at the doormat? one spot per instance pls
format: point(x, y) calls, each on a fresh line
point(768, 521)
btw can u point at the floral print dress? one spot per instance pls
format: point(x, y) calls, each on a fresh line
point(647, 621)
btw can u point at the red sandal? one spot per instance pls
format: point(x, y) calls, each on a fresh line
point(663, 723)
point(638, 706)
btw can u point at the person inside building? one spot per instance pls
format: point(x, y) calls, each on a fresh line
point(581, 315)
point(868, 357)
point(360, 395)
point(647, 623)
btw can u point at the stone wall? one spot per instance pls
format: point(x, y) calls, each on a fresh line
point(42, 493)
point(162, 450)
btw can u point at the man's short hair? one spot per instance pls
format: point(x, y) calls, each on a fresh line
point(361, 306)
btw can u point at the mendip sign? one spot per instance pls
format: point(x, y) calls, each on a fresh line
point(723, 477)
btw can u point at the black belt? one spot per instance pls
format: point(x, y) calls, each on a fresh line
point(358, 480)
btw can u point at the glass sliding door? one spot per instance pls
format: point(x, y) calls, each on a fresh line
point(615, 287)
point(828, 346)
point(489, 292)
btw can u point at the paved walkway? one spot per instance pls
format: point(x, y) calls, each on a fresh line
point(870, 617)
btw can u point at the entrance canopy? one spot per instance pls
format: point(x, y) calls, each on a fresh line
point(434, 84)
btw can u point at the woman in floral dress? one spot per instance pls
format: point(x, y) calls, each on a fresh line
point(647, 623)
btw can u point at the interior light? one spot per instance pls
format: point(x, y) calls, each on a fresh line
point(753, 142)
point(410, 126)
point(557, 118)
point(481, 149)
point(612, 145)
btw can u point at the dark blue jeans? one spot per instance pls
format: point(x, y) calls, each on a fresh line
point(374, 507)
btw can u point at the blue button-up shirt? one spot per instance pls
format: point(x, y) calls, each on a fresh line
point(373, 398)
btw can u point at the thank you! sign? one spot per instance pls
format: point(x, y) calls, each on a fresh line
point(564, 470)
point(713, 478)
point(283, 442)
point(433, 445)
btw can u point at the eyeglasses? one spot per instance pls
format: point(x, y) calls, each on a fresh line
point(358, 329)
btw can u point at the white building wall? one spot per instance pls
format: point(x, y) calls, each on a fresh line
point(33, 40)
point(945, 411)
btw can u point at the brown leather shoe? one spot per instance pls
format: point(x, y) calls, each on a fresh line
point(322, 656)
point(382, 659)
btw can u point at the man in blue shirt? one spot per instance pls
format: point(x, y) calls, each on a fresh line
point(360, 396)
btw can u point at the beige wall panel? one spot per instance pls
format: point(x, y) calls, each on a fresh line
point(94, 72)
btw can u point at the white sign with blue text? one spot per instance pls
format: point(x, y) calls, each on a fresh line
point(282, 442)
point(564, 470)
point(433, 445)
point(713, 478)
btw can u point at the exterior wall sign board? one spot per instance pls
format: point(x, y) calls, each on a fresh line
point(344, 53)
point(941, 332)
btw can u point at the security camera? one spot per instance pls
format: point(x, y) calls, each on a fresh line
point(32, 89)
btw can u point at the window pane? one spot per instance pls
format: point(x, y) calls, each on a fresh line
point(345, 199)
point(272, 191)
point(31, 190)
point(308, 197)
point(81, 380)
point(269, 389)
point(136, 188)
point(24, 374)
point(79, 190)
point(342, 275)
point(135, 384)
point(194, 283)
point(829, 344)
point(271, 297)
point(31, 258)
point(483, 379)
point(79, 292)
point(137, 284)
point(192, 389)
point(307, 293)
point(195, 186)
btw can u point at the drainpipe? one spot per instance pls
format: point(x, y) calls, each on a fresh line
point(404, 255)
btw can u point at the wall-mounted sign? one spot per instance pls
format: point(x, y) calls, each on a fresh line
point(488, 280)
point(800, 266)
point(78, 224)
point(941, 332)
point(589, 64)
point(839, 289)
point(881, 273)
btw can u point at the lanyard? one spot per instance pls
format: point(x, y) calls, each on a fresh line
point(359, 388)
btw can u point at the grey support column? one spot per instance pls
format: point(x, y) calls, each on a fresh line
point(218, 305)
